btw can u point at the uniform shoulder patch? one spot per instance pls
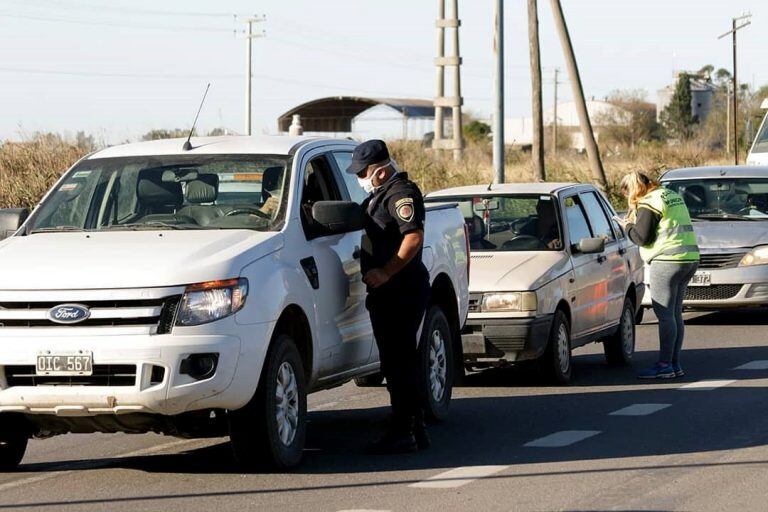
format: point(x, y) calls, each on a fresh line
point(404, 209)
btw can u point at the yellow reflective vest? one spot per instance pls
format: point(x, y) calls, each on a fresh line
point(675, 239)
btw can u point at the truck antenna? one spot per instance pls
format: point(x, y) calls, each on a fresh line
point(187, 145)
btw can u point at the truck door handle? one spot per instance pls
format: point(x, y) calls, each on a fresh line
point(602, 259)
point(310, 269)
point(356, 252)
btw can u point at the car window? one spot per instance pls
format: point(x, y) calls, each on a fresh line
point(356, 192)
point(513, 222)
point(578, 227)
point(601, 227)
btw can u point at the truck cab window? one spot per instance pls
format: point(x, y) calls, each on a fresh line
point(319, 185)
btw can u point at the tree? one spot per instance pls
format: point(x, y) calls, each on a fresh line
point(476, 131)
point(677, 118)
point(631, 122)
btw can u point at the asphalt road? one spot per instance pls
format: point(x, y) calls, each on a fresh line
point(607, 442)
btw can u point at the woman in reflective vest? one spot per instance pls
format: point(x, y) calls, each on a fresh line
point(659, 222)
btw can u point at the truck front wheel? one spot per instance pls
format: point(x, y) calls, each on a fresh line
point(13, 444)
point(436, 354)
point(269, 432)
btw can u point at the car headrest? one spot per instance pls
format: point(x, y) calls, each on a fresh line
point(205, 189)
point(270, 179)
point(152, 190)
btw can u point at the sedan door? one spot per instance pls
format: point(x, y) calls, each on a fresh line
point(587, 291)
point(613, 268)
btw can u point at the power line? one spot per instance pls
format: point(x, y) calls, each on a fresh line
point(113, 24)
point(131, 10)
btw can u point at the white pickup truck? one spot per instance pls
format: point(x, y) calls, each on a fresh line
point(203, 291)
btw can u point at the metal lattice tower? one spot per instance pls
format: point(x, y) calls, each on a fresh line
point(453, 61)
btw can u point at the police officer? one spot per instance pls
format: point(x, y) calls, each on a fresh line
point(398, 288)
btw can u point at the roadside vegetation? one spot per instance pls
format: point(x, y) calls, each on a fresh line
point(631, 140)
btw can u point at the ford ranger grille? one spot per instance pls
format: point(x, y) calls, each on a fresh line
point(103, 375)
point(158, 314)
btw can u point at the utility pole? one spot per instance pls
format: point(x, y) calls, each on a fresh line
point(734, 29)
point(539, 173)
point(554, 116)
point(441, 62)
point(578, 95)
point(727, 119)
point(249, 37)
point(498, 92)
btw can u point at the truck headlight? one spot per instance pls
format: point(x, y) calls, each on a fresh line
point(757, 256)
point(509, 301)
point(212, 300)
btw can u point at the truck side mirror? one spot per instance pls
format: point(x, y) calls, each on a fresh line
point(338, 216)
point(591, 245)
point(11, 220)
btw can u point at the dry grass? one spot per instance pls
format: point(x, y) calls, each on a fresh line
point(29, 168)
point(435, 170)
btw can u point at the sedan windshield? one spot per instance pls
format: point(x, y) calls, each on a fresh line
point(509, 223)
point(724, 199)
point(168, 192)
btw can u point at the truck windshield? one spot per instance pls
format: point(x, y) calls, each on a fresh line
point(168, 192)
point(509, 223)
point(726, 199)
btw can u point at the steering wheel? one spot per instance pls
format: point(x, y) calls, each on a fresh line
point(517, 224)
point(525, 242)
point(247, 211)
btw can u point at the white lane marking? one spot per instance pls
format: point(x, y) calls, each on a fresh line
point(95, 464)
point(706, 385)
point(639, 410)
point(754, 365)
point(458, 477)
point(564, 438)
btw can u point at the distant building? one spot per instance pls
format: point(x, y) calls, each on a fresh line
point(365, 118)
point(702, 97)
point(519, 131)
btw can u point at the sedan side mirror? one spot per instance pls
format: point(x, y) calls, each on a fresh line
point(338, 216)
point(11, 220)
point(591, 245)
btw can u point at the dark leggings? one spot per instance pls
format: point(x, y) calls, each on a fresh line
point(669, 282)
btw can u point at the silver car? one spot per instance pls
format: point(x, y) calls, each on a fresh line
point(729, 209)
point(550, 271)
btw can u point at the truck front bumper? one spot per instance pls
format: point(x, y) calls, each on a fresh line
point(131, 374)
point(505, 339)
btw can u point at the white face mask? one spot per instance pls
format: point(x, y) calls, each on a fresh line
point(367, 183)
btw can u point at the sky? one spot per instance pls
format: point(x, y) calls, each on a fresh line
point(119, 68)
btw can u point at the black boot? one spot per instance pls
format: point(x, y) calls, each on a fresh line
point(420, 432)
point(398, 438)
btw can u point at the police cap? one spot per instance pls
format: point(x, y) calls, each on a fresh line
point(369, 152)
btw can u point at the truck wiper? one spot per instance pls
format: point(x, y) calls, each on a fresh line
point(56, 229)
point(150, 226)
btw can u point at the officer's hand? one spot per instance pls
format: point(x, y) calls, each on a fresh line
point(376, 277)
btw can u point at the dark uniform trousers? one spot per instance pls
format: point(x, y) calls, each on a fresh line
point(397, 311)
point(398, 306)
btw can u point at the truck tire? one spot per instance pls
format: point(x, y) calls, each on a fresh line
point(13, 445)
point(555, 364)
point(436, 354)
point(269, 432)
point(620, 347)
point(370, 381)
